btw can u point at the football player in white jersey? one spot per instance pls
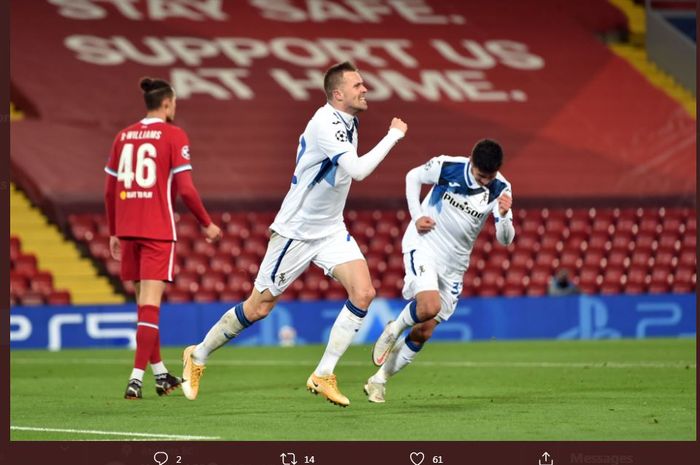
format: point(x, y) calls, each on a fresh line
point(309, 228)
point(436, 248)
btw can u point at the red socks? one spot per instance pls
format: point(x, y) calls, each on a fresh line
point(147, 337)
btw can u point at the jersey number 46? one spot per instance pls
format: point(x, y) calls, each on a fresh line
point(145, 171)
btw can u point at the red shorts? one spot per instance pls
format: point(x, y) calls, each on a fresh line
point(147, 259)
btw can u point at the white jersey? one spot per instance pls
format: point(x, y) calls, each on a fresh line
point(459, 206)
point(313, 207)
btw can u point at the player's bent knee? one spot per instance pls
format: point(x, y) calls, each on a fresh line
point(427, 310)
point(363, 297)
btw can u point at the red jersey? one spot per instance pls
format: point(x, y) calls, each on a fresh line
point(145, 156)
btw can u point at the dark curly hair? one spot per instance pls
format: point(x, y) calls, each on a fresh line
point(487, 155)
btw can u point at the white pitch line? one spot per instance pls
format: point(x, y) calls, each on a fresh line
point(175, 437)
point(446, 364)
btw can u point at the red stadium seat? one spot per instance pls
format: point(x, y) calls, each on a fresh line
point(638, 275)
point(248, 263)
point(517, 278)
point(58, 298)
point(669, 241)
point(540, 275)
point(174, 295)
point(684, 275)
point(689, 240)
point(99, 248)
point(256, 246)
point(588, 275)
point(626, 225)
point(491, 278)
point(26, 265)
point(201, 247)
point(570, 260)
point(231, 296)
point(635, 288)
point(183, 247)
point(82, 227)
point(659, 287)
point(238, 228)
point(599, 241)
point(213, 281)
point(645, 241)
point(199, 263)
point(42, 282)
point(306, 294)
point(687, 258)
point(335, 294)
point(527, 242)
point(691, 226)
point(594, 259)
point(205, 297)
point(113, 267)
point(187, 227)
point(536, 289)
point(618, 258)
point(672, 224)
point(530, 225)
point(665, 258)
point(392, 282)
point(18, 284)
point(222, 262)
point(649, 225)
point(187, 281)
point(229, 245)
point(15, 247)
point(614, 274)
point(550, 241)
point(610, 288)
point(641, 258)
point(239, 281)
point(580, 224)
point(546, 258)
point(32, 298)
point(622, 241)
point(395, 262)
point(522, 259)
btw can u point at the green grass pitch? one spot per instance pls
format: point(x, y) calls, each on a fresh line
point(533, 390)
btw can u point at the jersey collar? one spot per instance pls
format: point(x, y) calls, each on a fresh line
point(151, 120)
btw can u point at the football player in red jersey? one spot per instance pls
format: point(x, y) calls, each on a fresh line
point(148, 167)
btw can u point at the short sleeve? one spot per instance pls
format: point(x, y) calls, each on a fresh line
point(180, 152)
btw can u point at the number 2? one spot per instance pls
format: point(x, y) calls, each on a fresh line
point(145, 172)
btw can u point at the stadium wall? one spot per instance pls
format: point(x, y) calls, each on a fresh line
point(573, 317)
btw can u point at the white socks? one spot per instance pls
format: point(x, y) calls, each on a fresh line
point(342, 333)
point(403, 353)
point(137, 373)
point(229, 326)
point(406, 319)
point(158, 368)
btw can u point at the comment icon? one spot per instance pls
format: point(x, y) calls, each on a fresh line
point(160, 457)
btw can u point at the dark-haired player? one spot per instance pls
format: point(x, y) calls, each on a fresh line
point(147, 168)
point(437, 245)
point(309, 228)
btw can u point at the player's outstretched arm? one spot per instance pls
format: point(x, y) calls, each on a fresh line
point(360, 167)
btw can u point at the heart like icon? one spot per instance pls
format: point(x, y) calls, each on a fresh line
point(417, 458)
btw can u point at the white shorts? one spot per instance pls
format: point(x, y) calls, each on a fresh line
point(286, 258)
point(423, 273)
